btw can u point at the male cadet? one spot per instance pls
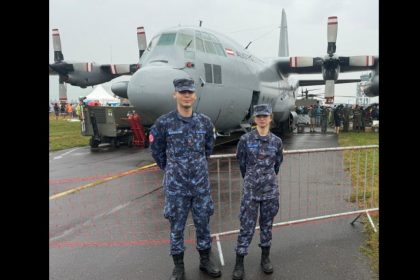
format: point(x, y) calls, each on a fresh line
point(181, 142)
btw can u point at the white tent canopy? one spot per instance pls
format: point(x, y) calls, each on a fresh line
point(99, 93)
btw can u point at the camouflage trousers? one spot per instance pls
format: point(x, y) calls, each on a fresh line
point(176, 211)
point(248, 218)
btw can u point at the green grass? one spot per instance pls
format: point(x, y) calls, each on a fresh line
point(371, 168)
point(65, 134)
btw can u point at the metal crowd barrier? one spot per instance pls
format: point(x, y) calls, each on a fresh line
point(127, 207)
point(314, 184)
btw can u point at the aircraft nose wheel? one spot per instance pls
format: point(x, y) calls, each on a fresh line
point(93, 143)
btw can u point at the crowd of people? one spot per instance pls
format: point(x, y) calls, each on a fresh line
point(66, 110)
point(69, 110)
point(340, 116)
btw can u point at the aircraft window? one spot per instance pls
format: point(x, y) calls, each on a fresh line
point(183, 40)
point(213, 38)
point(152, 43)
point(208, 72)
point(206, 36)
point(219, 49)
point(217, 70)
point(166, 39)
point(209, 47)
point(200, 45)
point(198, 34)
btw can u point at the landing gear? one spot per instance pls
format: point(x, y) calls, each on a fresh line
point(94, 143)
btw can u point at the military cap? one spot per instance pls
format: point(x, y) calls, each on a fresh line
point(184, 84)
point(262, 109)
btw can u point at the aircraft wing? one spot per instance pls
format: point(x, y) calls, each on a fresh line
point(322, 82)
point(119, 69)
point(315, 65)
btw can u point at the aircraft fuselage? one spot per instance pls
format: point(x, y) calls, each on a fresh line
point(226, 77)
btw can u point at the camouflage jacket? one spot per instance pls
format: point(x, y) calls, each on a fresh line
point(259, 159)
point(181, 146)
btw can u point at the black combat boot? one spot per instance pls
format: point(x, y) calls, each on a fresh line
point(179, 271)
point(207, 265)
point(238, 271)
point(265, 260)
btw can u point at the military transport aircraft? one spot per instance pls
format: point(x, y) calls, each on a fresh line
point(229, 79)
point(85, 74)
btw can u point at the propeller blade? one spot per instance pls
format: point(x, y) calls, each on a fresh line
point(332, 34)
point(58, 55)
point(361, 60)
point(329, 91)
point(62, 90)
point(301, 61)
point(141, 40)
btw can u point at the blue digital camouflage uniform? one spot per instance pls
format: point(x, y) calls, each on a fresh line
point(181, 146)
point(259, 159)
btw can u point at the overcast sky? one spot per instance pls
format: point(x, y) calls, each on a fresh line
point(104, 31)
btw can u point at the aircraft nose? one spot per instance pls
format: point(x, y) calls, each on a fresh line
point(150, 90)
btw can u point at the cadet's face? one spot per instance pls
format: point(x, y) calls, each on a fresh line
point(263, 121)
point(185, 98)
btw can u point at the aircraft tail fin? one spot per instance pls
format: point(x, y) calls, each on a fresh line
point(284, 40)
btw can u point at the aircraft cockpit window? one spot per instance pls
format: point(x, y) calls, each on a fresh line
point(152, 43)
point(206, 36)
point(213, 38)
point(209, 47)
point(219, 49)
point(200, 45)
point(185, 39)
point(198, 34)
point(166, 39)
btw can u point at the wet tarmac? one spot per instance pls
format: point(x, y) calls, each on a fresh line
point(115, 230)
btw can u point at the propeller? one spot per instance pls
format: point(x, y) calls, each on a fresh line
point(62, 68)
point(57, 66)
point(331, 65)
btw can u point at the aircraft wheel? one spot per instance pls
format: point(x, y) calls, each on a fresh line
point(93, 143)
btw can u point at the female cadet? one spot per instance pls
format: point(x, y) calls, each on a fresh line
point(259, 155)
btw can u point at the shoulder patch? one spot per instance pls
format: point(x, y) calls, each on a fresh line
point(151, 138)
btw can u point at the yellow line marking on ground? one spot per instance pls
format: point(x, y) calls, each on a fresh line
point(100, 181)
